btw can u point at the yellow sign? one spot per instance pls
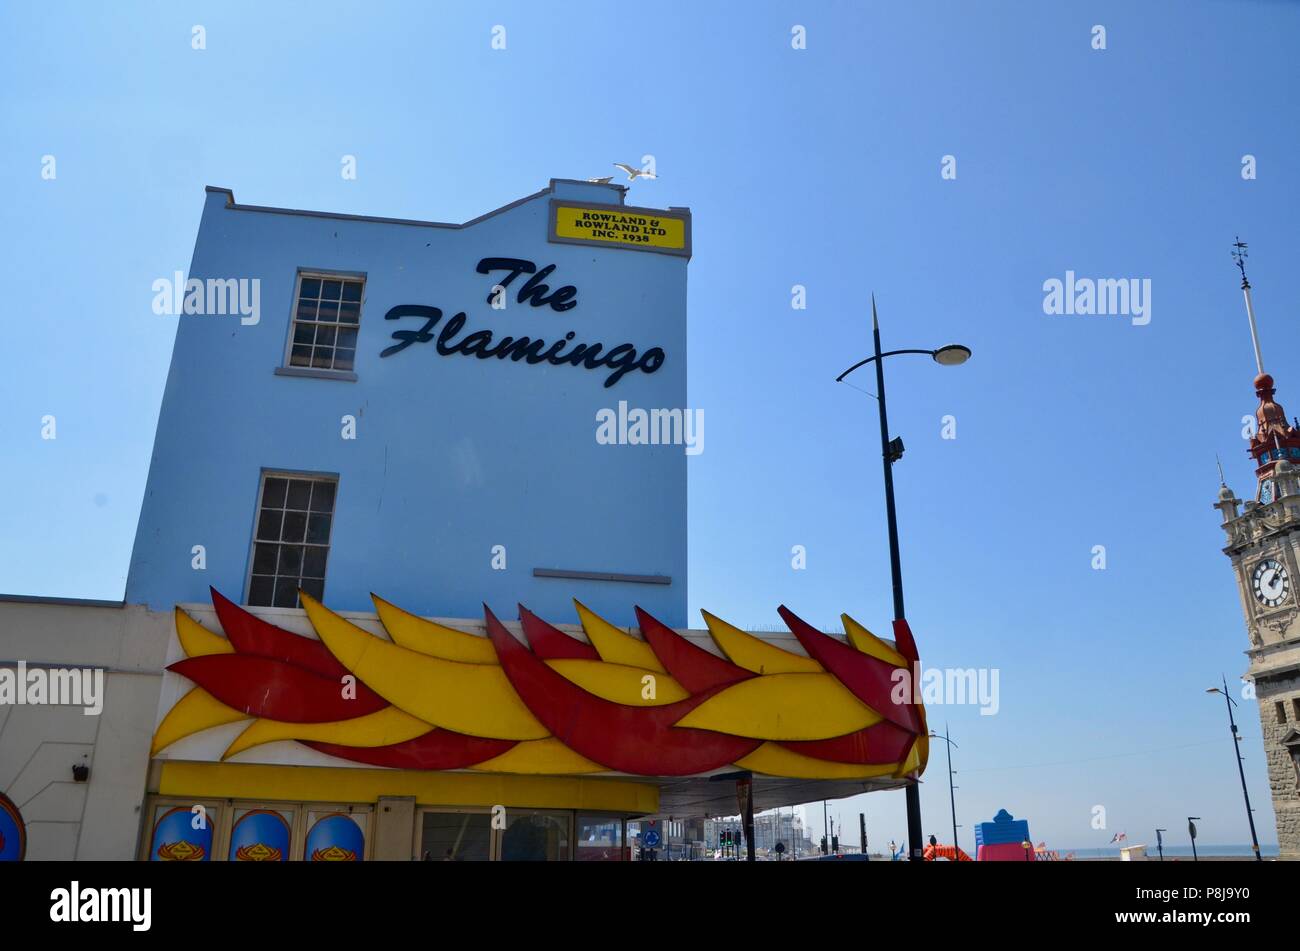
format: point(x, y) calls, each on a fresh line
point(644, 229)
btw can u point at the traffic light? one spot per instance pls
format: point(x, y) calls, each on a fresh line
point(823, 845)
point(835, 844)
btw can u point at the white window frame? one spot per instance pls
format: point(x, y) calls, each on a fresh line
point(257, 517)
point(286, 368)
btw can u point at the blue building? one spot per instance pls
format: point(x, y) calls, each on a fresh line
point(326, 437)
point(448, 416)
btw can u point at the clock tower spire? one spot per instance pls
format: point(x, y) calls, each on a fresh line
point(1264, 547)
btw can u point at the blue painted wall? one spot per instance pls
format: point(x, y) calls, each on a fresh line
point(453, 454)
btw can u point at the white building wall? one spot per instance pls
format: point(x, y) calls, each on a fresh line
point(39, 745)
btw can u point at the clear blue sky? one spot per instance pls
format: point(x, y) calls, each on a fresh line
point(818, 167)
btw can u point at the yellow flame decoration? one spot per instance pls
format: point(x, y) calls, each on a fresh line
point(534, 757)
point(868, 643)
point(381, 728)
point(784, 707)
point(614, 645)
point(745, 650)
point(469, 698)
point(436, 640)
point(193, 713)
point(196, 640)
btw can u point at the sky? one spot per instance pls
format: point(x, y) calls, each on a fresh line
point(820, 166)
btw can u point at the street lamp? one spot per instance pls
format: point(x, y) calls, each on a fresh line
point(1236, 745)
point(1191, 832)
point(1160, 843)
point(952, 797)
point(891, 452)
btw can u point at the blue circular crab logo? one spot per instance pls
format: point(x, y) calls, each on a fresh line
point(13, 832)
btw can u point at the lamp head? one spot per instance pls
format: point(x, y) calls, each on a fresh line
point(953, 355)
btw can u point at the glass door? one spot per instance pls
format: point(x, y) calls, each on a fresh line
point(537, 835)
point(455, 837)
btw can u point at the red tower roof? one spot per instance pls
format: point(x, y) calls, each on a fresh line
point(1274, 437)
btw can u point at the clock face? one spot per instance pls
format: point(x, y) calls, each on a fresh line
point(1266, 492)
point(1271, 583)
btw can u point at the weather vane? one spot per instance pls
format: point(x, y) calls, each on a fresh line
point(1239, 256)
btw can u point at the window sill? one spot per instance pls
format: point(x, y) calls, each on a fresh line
point(346, 375)
point(600, 576)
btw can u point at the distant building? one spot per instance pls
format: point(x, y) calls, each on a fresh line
point(769, 829)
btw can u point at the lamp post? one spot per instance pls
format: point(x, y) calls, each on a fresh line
point(1191, 832)
point(891, 452)
point(1160, 843)
point(1241, 770)
point(952, 797)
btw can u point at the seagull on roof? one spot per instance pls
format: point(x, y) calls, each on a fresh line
point(602, 181)
point(634, 173)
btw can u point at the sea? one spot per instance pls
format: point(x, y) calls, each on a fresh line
point(1179, 852)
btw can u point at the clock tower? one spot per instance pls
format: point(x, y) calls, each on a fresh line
point(1263, 543)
